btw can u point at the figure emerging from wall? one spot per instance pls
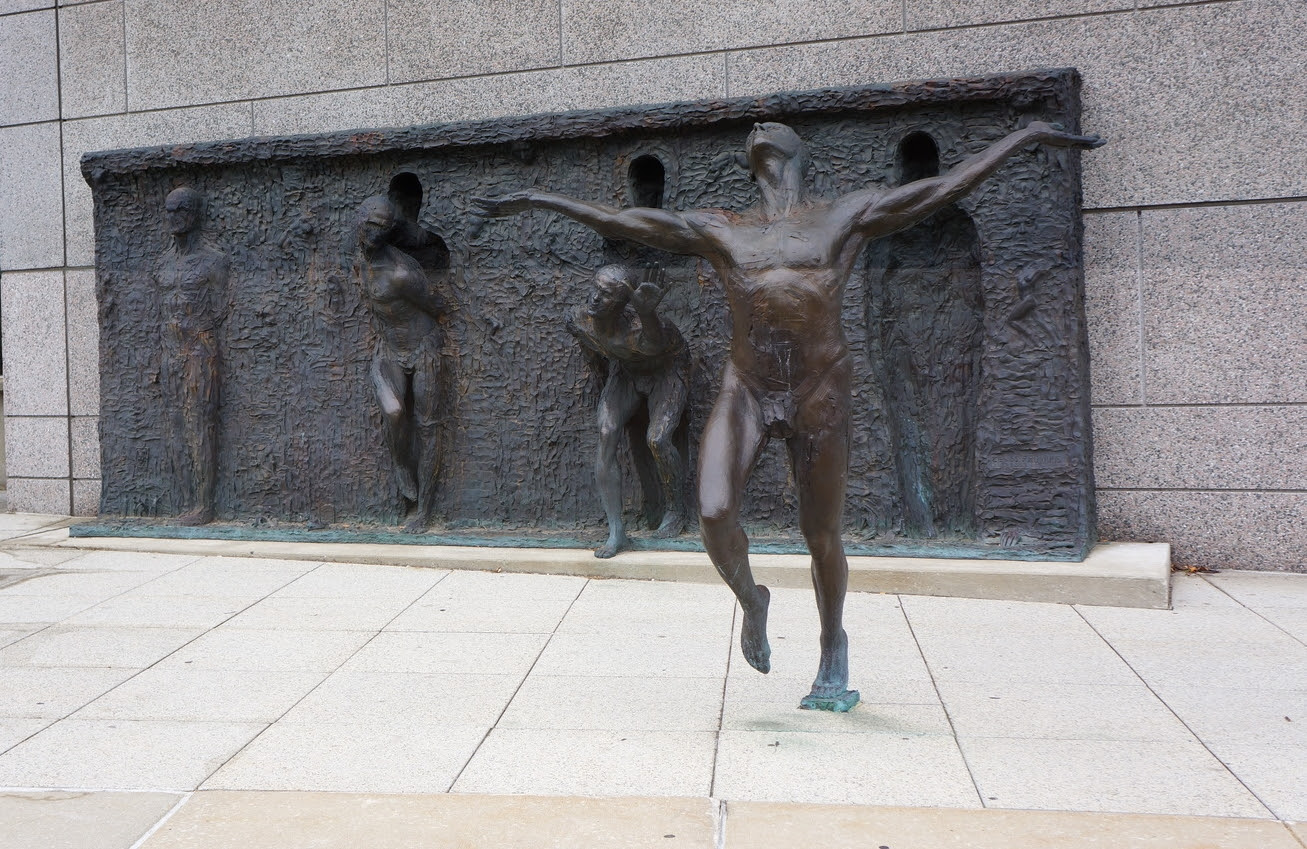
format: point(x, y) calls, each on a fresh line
point(192, 280)
point(406, 310)
point(924, 310)
point(648, 364)
point(784, 265)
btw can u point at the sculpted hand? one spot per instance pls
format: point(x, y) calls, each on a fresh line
point(650, 292)
point(1055, 136)
point(498, 207)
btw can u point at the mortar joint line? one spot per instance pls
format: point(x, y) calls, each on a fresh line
point(1172, 711)
point(940, 697)
point(720, 811)
point(186, 797)
point(1256, 613)
point(721, 712)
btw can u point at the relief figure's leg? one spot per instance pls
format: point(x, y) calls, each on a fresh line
point(426, 465)
point(391, 383)
point(200, 427)
point(617, 404)
point(666, 409)
point(732, 441)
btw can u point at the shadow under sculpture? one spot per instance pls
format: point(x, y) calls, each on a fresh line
point(648, 361)
point(405, 372)
point(784, 264)
point(192, 279)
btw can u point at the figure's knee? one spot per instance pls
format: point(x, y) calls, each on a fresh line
point(823, 539)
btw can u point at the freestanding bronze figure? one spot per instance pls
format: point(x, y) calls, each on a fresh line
point(192, 278)
point(405, 372)
point(647, 361)
point(784, 265)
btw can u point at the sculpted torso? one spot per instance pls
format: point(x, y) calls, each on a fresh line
point(394, 285)
point(192, 284)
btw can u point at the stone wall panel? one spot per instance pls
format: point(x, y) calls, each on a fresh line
point(31, 213)
point(1112, 306)
point(38, 495)
point(29, 80)
point(36, 381)
point(36, 446)
point(435, 39)
point(92, 60)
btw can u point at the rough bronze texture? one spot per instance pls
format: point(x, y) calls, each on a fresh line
point(989, 405)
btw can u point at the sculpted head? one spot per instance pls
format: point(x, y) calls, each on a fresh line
point(375, 221)
point(774, 149)
point(183, 210)
point(612, 289)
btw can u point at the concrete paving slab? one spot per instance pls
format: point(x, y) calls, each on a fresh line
point(1196, 591)
point(765, 704)
point(591, 762)
point(1263, 589)
point(204, 695)
point(239, 650)
point(1184, 625)
point(995, 654)
point(492, 602)
point(15, 731)
point(1243, 717)
point(1060, 712)
point(100, 585)
point(383, 698)
point(35, 692)
point(1110, 776)
point(588, 702)
point(649, 607)
point(19, 610)
point(355, 580)
point(229, 820)
point(772, 826)
point(133, 609)
point(63, 820)
point(331, 614)
point(1299, 830)
point(859, 769)
point(100, 754)
point(1264, 666)
point(1276, 774)
point(80, 645)
point(640, 655)
point(1291, 620)
point(451, 652)
point(409, 755)
point(132, 561)
point(229, 577)
point(11, 635)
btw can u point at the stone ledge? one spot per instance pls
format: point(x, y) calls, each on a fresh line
point(1119, 574)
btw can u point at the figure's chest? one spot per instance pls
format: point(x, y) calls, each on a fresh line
point(790, 243)
point(388, 284)
point(187, 273)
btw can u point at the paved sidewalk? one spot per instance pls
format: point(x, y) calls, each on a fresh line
point(429, 707)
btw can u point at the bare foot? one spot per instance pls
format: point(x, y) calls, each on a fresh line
point(673, 525)
point(416, 525)
point(195, 516)
point(617, 540)
point(753, 633)
point(833, 672)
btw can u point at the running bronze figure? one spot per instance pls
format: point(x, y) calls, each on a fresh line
point(784, 264)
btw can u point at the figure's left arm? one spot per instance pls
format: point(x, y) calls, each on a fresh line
point(917, 200)
point(645, 300)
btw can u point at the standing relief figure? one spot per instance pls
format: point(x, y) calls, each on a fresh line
point(405, 310)
point(192, 280)
point(648, 362)
point(784, 264)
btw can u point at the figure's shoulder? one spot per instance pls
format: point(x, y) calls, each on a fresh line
point(711, 219)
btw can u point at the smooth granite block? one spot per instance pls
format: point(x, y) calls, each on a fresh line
point(1112, 307)
point(36, 446)
point(31, 212)
point(173, 126)
point(1235, 624)
point(1173, 90)
point(289, 650)
point(561, 89)
point(33, 327)
point(35, 692)
point(38, 495)
point(1256, 530)
point(650, 608)
point(389, 698)
point(54, 819)
point(606, 31)
point(71, 645)
point(27, 66)
point(264, 49)
point(356, 580)
point(1277, 774)
point(8, 7)
point(204, 695)
point(1219, 447)
point(1060, 712)
point(326, 113)
point(92, 60)
point(942, 14)
point(1267, 665)
point(86, 497)
point(459, 38)
point(85, 440)
point(448, 653)
point(1225, 292)
point(1241, 717)
point(615, 704)
point(83, 347)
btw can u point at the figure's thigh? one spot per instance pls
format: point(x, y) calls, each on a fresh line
point(666, 406)
point(617, 403)
point(732, 441)
point(819, 456)
point(426, 387)
point(389, 382)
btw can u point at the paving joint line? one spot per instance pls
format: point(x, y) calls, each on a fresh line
point(163, 820)
point(1255, 612)
point(721, 711)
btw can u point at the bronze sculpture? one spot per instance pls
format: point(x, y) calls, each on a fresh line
point(784, 264)
point(192, 278)
point(647, 361)
point(405, 372)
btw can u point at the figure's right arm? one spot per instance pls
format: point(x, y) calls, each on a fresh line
point(657, 228)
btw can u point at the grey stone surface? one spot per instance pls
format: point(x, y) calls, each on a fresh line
point(226, 121)
point(31, 214)
point(83, 345)
point(92, 60)
point(1225, 293)
point(597, 31)
point(33, 327)
point(325, 113)
point(37, 446)
point(587, 87)
point(85, 441)
point(433, 39)
point(194, 53)
point(1112, 307)
point(1217, 447)
point(61, 820)
point(27, 68)
point(11, 6)
point(86, 497)
point(1191, 115)
point(941, 14)
point(1227, 530)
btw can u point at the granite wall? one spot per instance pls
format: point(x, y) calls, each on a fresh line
point(1195, 214)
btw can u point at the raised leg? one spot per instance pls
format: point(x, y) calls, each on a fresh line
point(617, 404)
point(732, 441)
point(666, 408)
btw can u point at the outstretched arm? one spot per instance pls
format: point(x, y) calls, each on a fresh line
point(657, 228)
point(917, 200)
